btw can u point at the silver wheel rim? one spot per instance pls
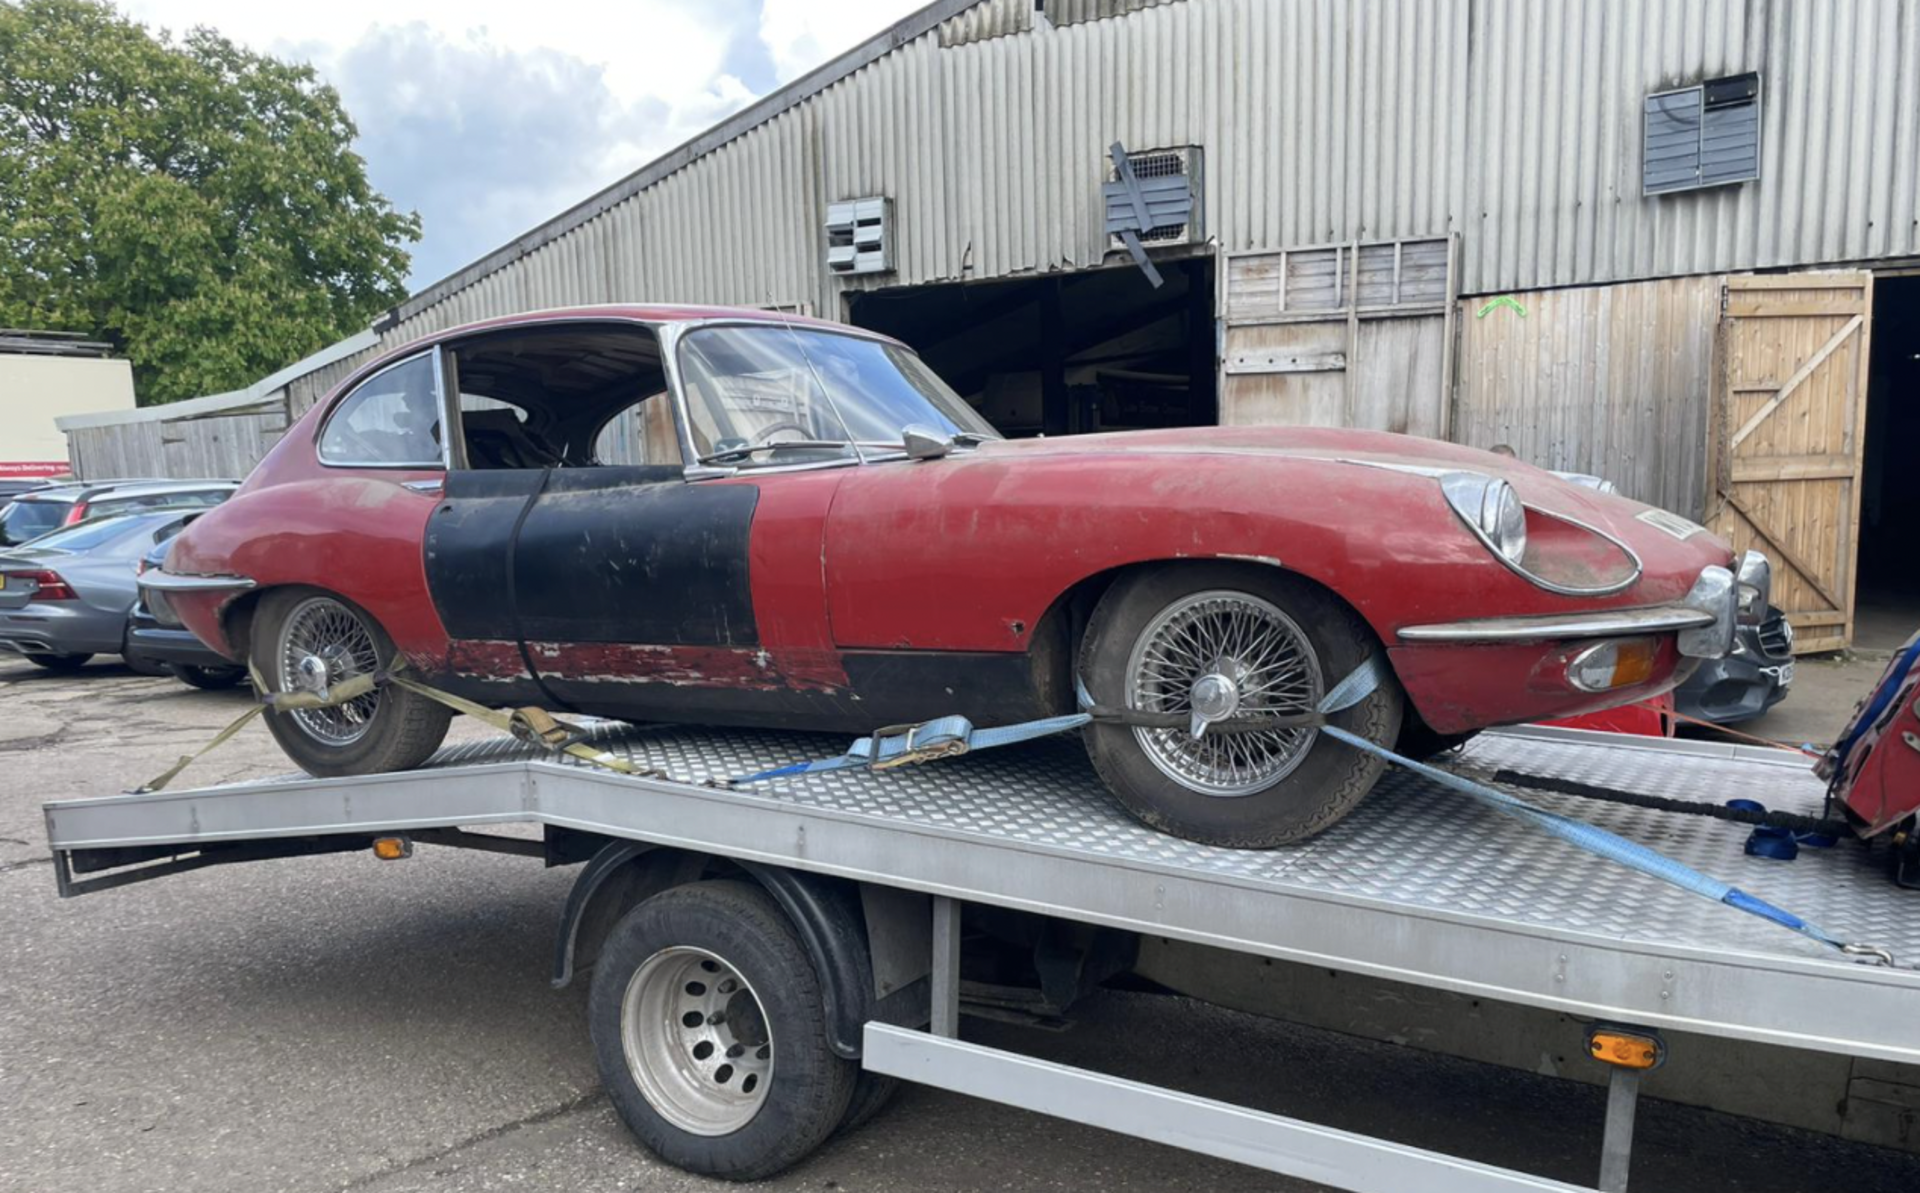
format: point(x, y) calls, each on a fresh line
point(697, 1041)
point(1216, 655)
point(323, 643)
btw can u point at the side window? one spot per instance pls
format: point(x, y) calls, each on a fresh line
point(391, 421)
point(641, 434)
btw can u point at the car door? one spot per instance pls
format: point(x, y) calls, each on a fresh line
point(568, 569)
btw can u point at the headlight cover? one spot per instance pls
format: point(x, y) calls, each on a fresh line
point(1491, 509)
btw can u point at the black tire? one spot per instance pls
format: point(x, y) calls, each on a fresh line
point(59, 662)
point(871, 1093)
point(808, 1087)
point(401, 729)
point(1326, 781)
point(211, 679)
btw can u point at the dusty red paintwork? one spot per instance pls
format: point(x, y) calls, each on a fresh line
point(970, 552)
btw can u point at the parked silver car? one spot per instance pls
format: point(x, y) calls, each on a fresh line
point(64, 596)
point(39, 511)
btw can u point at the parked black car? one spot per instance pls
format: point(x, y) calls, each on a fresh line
point(1746, 683)
point(154, 647)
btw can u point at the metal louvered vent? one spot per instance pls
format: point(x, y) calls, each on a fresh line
point(1701, 136)
point(860, 236)
point(1169, 181)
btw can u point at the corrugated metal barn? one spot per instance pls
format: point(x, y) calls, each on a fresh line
point(1496, 221)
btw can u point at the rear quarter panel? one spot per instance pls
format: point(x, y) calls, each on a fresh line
point(357, 533)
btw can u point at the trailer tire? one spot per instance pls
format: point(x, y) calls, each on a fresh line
point(871, 1093)
point(663, 1033)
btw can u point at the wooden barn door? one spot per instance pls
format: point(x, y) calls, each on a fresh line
point(1341, 335)
point(1785, 433)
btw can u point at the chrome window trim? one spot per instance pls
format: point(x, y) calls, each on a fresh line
point(320, 433)
point(670, 336)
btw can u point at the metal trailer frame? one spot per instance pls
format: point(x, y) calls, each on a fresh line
point(1418, 885)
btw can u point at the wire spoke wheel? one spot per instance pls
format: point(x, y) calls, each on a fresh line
point(1214, 656)
point(322, 644)
point(696, 1041)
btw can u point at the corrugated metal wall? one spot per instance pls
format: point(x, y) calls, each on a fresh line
point(1608, 380)
point(1322, 120)
point(1554, 130)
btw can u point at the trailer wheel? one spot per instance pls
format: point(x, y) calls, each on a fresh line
point(1212, 642)
point(710, 1033)
point(871, 1093)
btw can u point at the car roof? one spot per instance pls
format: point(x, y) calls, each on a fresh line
point(645, 313)
point(95, 492)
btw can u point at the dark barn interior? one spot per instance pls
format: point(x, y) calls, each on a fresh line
point(1097, 350)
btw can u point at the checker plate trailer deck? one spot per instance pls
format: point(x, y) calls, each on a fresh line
point(807, 933)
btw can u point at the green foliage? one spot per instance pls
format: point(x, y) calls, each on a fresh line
point(197, 205)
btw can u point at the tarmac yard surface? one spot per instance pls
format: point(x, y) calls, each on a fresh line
point(331, 1024)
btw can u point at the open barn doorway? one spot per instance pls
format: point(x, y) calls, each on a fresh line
point(1888, 606)
point(1067, 354)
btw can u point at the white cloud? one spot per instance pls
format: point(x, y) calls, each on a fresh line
point(490, 117)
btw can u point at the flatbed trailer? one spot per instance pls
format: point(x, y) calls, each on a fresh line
point(875, 870)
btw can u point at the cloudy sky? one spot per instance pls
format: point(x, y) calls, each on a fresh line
point(489, 116)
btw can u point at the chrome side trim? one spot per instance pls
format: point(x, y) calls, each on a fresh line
point(163, 581)
point(1606, 624)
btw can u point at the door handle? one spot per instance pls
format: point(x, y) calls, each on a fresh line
point(429, 487)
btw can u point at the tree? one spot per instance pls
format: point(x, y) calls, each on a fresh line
point(196, 205)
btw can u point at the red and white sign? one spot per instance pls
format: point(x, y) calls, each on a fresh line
point(32, 469)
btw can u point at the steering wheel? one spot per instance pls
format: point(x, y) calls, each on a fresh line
point(766, 434)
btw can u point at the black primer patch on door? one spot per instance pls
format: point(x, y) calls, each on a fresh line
point(467, 551)
point(621, 554)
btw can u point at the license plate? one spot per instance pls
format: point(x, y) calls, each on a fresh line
point(1786, 673)
point(3, 581)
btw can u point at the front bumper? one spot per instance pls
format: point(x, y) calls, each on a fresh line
point(1705, 621)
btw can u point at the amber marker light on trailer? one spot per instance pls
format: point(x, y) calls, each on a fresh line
point(392, 849)
point(1625, 1049)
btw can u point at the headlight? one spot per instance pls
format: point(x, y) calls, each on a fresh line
point(1491, 508)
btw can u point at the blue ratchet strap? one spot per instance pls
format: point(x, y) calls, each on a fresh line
point(1595, 840)
point(942, 737)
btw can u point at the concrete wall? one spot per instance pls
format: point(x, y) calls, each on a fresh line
point(36, 390)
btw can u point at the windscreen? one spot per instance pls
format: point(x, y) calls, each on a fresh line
point(755, 385)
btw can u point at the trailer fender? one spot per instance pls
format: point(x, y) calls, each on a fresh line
point(618, 876)
point(827, 914)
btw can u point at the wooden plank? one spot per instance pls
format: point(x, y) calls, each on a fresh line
point(1280, 360)
point(1842, 280)
point(1801, 374)
point(1790, 310)
point(1795, 468)
point(1785, 553)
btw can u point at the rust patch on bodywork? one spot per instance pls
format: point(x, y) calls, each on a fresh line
point(740, 668)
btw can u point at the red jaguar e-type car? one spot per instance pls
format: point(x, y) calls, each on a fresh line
point(731, 517)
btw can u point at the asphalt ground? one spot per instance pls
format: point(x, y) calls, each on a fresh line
point(331, 1024)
